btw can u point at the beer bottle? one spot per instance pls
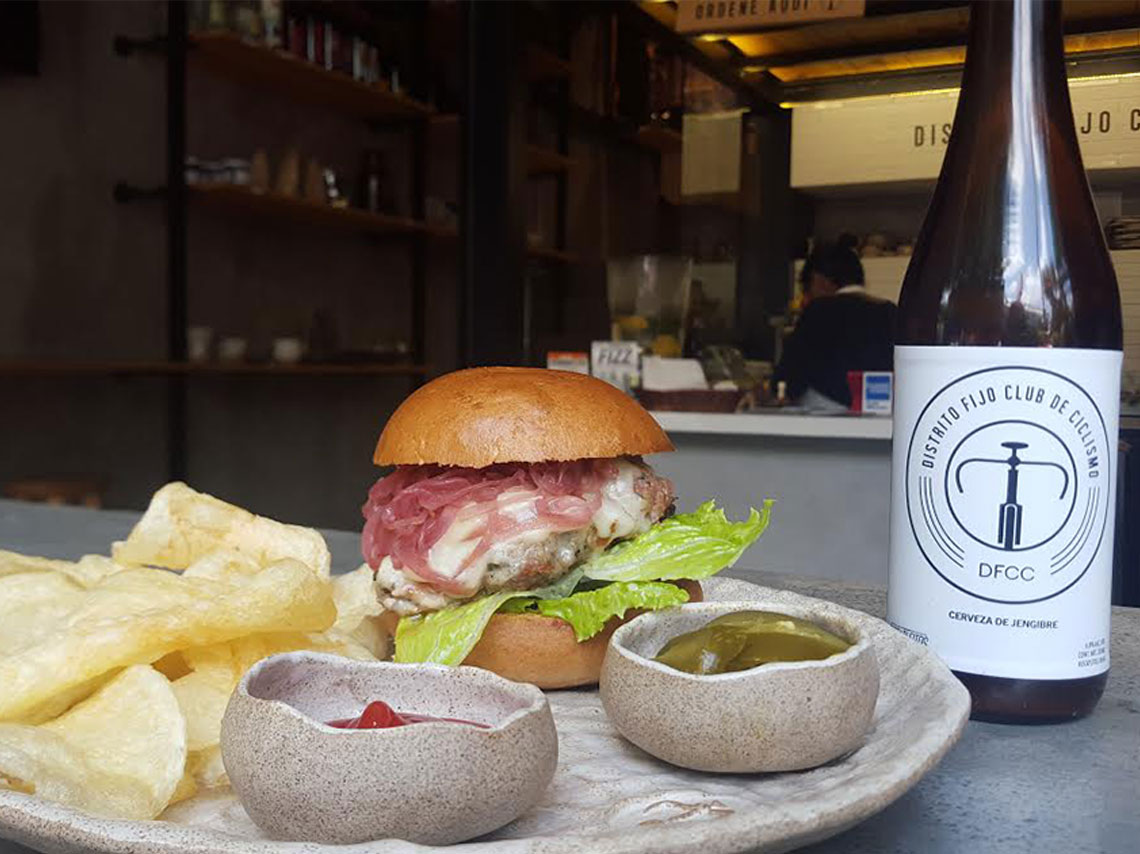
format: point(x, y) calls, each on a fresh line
point(1007, 392)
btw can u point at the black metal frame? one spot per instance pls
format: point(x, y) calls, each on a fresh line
point(493, 139)
point(499, 296)
point(177, 297)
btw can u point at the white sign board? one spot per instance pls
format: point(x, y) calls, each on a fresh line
point(617, 362)
point(903, 137)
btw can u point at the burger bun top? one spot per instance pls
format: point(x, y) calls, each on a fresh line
point(481, 416)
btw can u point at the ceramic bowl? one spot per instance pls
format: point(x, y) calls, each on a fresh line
point(431, 783)
point(784, 716)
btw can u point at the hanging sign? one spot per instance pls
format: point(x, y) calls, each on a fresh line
point(718, 16)
point(903, 137)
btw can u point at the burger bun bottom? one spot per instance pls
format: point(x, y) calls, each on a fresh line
point(544, 651)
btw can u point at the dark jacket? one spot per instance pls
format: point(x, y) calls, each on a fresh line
point(836, 334)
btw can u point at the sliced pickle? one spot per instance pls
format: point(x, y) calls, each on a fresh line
point(747, 639)
point(707, 650)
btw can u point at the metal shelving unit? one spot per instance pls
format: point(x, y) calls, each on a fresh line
point(227, 55)
point(208, 369)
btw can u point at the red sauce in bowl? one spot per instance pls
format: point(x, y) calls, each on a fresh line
point(379, 715)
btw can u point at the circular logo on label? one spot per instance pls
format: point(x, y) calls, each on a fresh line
point(1007, 482)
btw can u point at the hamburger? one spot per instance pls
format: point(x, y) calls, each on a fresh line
point(521, 524)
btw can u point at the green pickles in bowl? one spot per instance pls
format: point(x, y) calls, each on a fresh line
point(743, 640)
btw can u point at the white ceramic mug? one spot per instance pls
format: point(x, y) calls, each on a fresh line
point(232, 349)
point(287, 351)
point(198, 340)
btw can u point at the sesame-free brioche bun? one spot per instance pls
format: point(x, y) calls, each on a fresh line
point(481, 416)
point(543, 650)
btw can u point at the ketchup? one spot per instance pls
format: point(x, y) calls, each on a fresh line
point(379, 715)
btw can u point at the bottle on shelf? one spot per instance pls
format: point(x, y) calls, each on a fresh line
point(1008, 380)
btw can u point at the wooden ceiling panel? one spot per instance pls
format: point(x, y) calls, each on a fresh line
point(942, 57)
point(904, 33)
point(913, 28)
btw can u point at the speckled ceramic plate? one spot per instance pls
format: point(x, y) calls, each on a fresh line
point(608, 796)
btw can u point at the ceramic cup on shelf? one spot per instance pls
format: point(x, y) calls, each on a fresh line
point(198, 341)
point(288, 350)
point(232, 349)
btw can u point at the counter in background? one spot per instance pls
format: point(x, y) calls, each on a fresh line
point(776, 423)
point(830, 476)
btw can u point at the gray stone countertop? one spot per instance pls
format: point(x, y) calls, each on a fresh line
point(1070, 788)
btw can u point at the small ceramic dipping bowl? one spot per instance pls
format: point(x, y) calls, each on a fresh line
point(433, 783)
point(784, 716)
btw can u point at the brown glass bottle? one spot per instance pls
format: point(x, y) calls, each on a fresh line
point(1011, 255)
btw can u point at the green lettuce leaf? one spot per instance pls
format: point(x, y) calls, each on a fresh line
point(448, 635)
point(588, 611)
point(689, 545)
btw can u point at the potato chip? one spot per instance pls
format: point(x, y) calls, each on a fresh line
point(181, 526)
point(187, 787)
point(371, 635)
point(215, 671)
point(59, 703)
point(138, 616)
point(357, 610)
point(76, 639)
point(91, 569)
point(207, 769)
point(355, 596)
point(88, 570)
point(120, 753)
point(222, 565)
point(31, 603)
point(249, 651)
point(13, 562)
point(202, 696)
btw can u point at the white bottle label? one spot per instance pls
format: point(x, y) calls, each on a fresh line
point(1002, 510)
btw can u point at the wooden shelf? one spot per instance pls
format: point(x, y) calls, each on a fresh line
point(50, 368)
point(654, 136)
point(660, 138)
point(546, 161)
point(445, 122)
point(227, 55)
point(539, 159)
point(547, 253)
point(242, 200)
point(731, 203)
point(542, 64)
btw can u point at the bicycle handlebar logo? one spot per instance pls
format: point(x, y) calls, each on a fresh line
point(1007, 483)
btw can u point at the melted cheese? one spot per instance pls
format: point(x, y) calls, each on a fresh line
point(451, 550)
point(454, 547)
point(623, 511)
point(621, 514)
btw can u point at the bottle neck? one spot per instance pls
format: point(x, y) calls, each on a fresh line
point(1014, 37)
point(1015, 74)
point(1015, 61)
point(1011, 252)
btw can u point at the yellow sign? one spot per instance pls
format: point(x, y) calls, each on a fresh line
point(709, 16)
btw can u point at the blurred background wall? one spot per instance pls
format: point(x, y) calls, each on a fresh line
point(81, 277)
point(83, 281)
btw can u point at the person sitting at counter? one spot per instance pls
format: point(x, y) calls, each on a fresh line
point(841, 329)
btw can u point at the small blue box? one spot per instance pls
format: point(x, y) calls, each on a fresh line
point(878, 392)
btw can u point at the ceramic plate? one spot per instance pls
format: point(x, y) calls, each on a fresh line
point(607, 795)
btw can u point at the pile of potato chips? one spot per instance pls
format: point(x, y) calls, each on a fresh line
point(115, 672)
